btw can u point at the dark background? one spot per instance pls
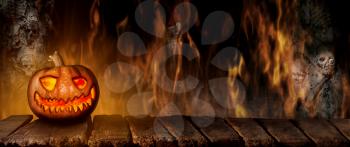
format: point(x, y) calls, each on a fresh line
point(72, 24)
point(73, 17)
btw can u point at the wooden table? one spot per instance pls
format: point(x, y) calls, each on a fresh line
point(115, 130)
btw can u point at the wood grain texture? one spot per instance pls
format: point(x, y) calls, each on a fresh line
point(321, 132)
point(114, 130)
point(343, 125)
point(183, 131)
point(251, 132)
point(12, 123)
point(110, 130)
point(285, 132)
point(147, 131)
point(217, 131)
point(46, 133)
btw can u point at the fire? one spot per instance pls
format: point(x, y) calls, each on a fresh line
point(279, 36)
point(283, 66)
point(164, 68)
point(235, 91)
point(91, 48)
point(274, 50)
point(171, 78)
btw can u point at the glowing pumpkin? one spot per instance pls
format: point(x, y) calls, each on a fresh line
point(63, 92)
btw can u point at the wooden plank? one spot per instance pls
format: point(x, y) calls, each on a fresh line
point(251, 132)
point(321, 132)
point(343, 126)
point(12, 123)
point(44, 133)
point(147, 131)
point(217, 131)
point(285, 132)
point(37, 132)
point(110, 130)
point(183, 131)
point(76, 134)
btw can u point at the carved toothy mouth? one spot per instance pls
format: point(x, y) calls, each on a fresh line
point(57, 105)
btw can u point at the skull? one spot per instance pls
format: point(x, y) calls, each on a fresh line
point(31, 15)
point(27, 61)
point(326, 62)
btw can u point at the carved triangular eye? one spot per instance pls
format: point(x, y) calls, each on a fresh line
point(48, 82)
point(80, 82)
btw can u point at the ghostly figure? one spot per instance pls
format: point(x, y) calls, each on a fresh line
point(25, 29)
point(317, 85)
point(326, 85)
point(300, 70)
point(321, 69)
point(316, 80)
point(27, 39)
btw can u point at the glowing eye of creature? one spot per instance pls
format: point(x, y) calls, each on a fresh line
point(48, 83)
point(80, 82)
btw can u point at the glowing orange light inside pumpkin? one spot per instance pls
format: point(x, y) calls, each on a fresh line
point(80, 82)
point(48, 83)
point(93, 93)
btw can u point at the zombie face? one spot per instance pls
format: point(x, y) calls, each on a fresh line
point(326, 62)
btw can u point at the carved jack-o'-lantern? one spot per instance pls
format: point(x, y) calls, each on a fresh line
point(63, 92)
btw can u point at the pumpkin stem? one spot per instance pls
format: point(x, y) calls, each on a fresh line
point(56, 59)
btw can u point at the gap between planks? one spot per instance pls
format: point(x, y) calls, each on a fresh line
point(190, 132)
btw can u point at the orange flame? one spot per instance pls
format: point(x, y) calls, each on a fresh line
point(234, 73)
point(273, 53)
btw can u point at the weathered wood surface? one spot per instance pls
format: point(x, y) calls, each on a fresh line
point(321, 132)
point(12, 123)
point(115, 130)
point(45, 133)
point(251, 132)
point(183, 131)
point(217, 131)
point(285, 133)
point(148, 131)
point(343, 126)
point(110, 130)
